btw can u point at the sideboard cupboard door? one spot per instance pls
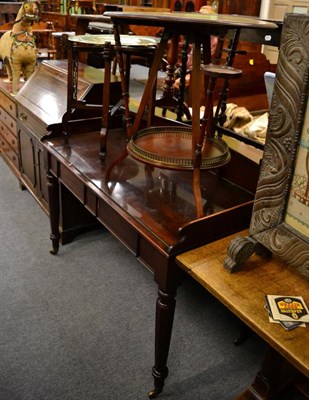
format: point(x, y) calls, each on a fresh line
point(32, 173)
point(27, 158)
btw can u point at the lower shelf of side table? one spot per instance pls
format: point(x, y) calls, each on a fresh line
point(171, 148)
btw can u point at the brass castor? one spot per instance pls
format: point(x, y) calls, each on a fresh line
point(154, 393)
point(54, 251)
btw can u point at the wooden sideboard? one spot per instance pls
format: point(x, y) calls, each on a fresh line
point(41, 104)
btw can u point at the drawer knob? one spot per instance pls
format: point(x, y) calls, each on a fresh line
point(23, 117)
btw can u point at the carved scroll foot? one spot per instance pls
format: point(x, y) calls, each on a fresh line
point(239, 250)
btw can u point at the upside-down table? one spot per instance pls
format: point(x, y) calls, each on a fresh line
point(198, 146)
point(146, 198)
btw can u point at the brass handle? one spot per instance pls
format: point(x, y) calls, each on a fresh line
point(23, 117)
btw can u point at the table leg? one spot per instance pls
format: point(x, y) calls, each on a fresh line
point(196, 142)
point(146, 98)
point(182, 107)
point(275, 375)
point(222, 100)
point(165, 309)
point(71, 89)
point(167, 100)
point(107, 55)
point(54, 210)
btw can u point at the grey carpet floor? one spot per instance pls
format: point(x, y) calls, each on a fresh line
point(80, 325)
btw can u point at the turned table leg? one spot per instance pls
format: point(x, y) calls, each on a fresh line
point(165, 309)
point(53, 193)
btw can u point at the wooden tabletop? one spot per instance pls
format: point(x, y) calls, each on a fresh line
point(244, 294)
point(188, 20)
point(91, 17)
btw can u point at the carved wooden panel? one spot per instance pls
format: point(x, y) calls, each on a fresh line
point(287, 133)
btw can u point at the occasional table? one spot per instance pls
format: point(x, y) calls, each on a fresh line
point(199, 146)
point(104, 45)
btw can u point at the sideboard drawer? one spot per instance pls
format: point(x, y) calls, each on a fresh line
point(9, 136)
point(9, 153)
point(26, 119)
point(8, 104)
point(9, 121)
point(8, 130)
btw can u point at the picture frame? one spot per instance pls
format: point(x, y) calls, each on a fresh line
point(280, 217)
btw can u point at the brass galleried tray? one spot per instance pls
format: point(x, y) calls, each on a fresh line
point(126, 40)
point(171, 148)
